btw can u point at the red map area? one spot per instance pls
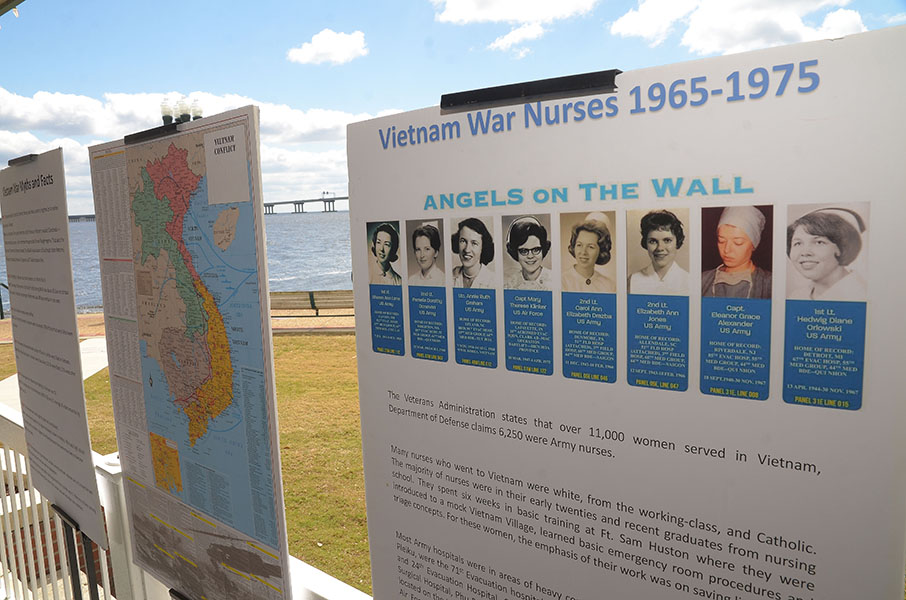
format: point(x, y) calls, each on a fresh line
point(174, 181)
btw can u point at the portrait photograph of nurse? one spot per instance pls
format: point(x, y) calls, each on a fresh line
point(657, 251)
point(827, 250)
point(736, 251)
point(383, 253)
point(587, 261)
point(472, 245)
point(527, 264)
point(425, 252)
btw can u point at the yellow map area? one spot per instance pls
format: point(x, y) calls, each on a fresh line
point(216, 394)
point(165, 457)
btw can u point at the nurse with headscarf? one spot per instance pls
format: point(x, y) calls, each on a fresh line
point(738, 235)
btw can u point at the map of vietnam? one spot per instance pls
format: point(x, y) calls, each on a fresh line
point(199, 402)
point(195, 358)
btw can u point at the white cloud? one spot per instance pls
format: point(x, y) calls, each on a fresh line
point(75, 162)
point(292, 174)
point(329, 46)
point(514, 39)
point(528, 14)
point(839, 23)
point(14, 144)
point(70, 115)
point(896, 19)
point(462, 12)
point(653, 20)
point(302, 151)
point(728, 26)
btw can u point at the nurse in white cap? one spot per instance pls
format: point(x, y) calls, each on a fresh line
point(822, 245)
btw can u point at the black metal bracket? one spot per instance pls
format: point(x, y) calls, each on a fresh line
point(599, 82)
point(150, 134)
point(70, 530)
point(177, 596)
point(66, 518)
point(90, 567)
point(22, 160)
point(70, 527)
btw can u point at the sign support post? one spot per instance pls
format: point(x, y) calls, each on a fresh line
point(70, 530)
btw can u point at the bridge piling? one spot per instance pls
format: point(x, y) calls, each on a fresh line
point(328, 204)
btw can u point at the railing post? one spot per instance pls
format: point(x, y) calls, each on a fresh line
point(131, 582)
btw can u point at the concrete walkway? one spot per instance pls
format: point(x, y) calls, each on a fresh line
point(94, 358)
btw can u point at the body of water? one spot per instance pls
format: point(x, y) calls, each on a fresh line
point(307, 251)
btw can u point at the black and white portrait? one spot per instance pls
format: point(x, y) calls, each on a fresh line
point(827, 251)
point(425, 252)
point(587, 256)
point(657, 252)
point(383, 253)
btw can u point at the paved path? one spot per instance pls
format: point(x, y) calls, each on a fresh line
point(94, 358)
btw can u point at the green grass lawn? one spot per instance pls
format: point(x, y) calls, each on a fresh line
point(7, 361)
point(320, 450)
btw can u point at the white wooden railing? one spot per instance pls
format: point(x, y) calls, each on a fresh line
point(33, 560)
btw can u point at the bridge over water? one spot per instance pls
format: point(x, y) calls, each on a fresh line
point(329, 205)
point(299, 205)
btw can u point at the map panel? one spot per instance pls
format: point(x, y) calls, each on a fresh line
point(191, 362)
point(200, 331)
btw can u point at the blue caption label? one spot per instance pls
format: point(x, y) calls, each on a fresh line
point(529, 331)
point(475, 327)
point(428, 322)
point(824, 353)
point(658, 347)
point(387, 319)
point(590, 336)
point(736, 347)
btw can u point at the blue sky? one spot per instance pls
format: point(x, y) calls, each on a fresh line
point(78, 73)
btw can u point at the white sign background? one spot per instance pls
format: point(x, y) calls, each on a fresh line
point(842, 142)
point(46, 339)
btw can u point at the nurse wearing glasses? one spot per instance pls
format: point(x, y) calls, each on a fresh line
point(527, 243)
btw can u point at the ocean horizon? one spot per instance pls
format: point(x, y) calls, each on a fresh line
point(305, 252)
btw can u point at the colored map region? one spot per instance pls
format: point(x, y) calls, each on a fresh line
point(160, 208)
point(201, 335)
point(165, 457)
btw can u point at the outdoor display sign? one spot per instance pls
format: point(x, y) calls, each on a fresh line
point(46, 338)
point(181, 242)
point(639, 344)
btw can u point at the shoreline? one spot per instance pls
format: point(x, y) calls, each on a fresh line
point(283, 322)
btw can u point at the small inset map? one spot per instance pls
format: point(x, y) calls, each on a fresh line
point(165, 455)
point(225, 227)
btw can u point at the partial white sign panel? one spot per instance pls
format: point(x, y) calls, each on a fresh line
point(640, 345)
point(46, 338)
